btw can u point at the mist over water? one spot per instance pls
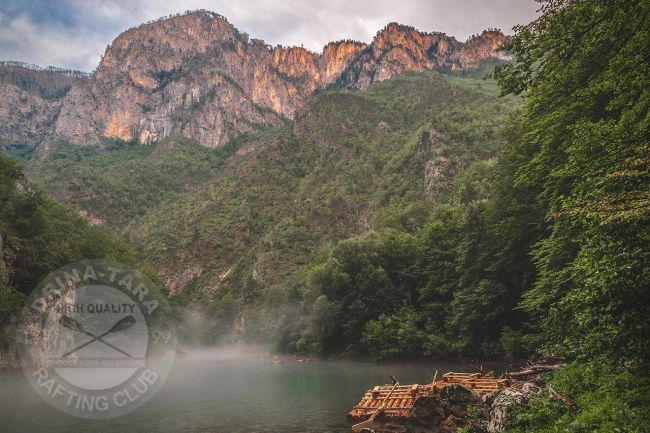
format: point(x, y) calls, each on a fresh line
point(225, 390)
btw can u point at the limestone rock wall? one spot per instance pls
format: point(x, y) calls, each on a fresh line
point(198, 76)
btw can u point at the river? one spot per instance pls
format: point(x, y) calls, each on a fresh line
point(225, 392)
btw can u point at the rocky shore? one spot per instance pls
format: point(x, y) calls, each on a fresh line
point(458, 406)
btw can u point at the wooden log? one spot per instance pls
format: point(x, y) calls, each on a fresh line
point(534, 369)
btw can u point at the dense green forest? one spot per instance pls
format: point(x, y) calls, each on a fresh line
point(579, 162)
point(268, 206)
point(423, 218)
point(37, 236)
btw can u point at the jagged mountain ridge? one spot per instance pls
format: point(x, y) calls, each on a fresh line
point(196, 75)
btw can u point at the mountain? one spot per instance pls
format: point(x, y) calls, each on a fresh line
point(230, 229)
point(31, 100)
point(232, 166)
point(197, 76)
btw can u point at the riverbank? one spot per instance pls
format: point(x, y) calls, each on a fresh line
point(595, 396)
point(450, 402)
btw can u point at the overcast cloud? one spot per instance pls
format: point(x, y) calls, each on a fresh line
point(74, 33)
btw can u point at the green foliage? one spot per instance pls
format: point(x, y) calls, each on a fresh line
point(583, 146)
point(123, 181)
point(597, 398)
point(398, 294)
point(515, 345)
point(577, 165)
point(42, 235)
point(21, 152)
point(476, 312)
point(322, 329)
point(38, 236)
point(350, 162)
point(396, 335)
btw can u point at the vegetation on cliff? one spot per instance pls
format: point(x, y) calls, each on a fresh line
point(38, 236)
point(234, 229)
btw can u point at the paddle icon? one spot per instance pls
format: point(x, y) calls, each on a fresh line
point(121, 325)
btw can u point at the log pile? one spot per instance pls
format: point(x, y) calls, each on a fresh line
point(443, 404)
point(534, 370)
point(399, 405)
point(483, 383)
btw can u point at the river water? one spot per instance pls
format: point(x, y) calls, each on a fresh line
point(225, 392)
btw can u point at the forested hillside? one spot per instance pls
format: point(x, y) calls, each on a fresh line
point(37, 236)
point(234, 230)
point(553, 259)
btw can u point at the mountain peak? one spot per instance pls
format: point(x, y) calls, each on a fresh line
point(196, 75)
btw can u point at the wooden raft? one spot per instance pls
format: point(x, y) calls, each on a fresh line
point(401, 401)
point(398, 406)
point(481, 382)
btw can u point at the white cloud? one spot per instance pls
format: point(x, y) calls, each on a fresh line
point(288, 22)
point(22, 39)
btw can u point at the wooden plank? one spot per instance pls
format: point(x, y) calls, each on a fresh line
point(400, 403)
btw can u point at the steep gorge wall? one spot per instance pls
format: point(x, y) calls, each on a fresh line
point(30, 101)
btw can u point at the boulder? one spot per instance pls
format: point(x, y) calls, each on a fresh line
point(458, 410)
point(457, 393)
point(427, 411)
point(503, 403)
point(452, 423)
point(501, 407)
point(530, 388)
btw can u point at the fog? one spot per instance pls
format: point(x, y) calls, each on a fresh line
point(224, 353)
point(229, 389)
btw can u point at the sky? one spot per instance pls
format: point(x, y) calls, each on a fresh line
point(74, 33)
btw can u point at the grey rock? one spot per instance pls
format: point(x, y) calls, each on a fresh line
point(502, 406)
point(457, 393)
point(427, 411)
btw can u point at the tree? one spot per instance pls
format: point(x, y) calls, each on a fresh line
point(584, 68)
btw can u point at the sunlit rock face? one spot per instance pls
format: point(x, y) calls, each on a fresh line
point(479, 48)
point(194, 75)
point(198, 76)
point(398, 48)
point(336, 58)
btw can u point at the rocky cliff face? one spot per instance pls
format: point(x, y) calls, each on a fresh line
point(196, 75)
point(30, 101)
point(399, 48)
